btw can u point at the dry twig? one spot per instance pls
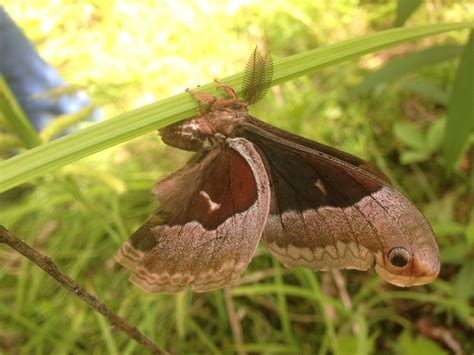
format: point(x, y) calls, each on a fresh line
point(234, 321)
point(45, 263)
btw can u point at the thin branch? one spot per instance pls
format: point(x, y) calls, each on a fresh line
point(45, 263)
point(346, 299)
point(234, 321)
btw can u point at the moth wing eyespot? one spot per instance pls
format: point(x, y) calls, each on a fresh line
point(399, 256)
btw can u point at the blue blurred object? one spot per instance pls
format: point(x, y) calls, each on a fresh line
point(30, 78)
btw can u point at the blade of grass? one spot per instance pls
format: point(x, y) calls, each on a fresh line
point(132, 124)
point(181, 315)
point(203, 336)
point(15, 317)
point(463, 310)
point(15, 116)
point(9, 142)
point(405, 8)
point(321, 306)
point(426, 89)
point(399, 67)
point(460, 119)
point(107, 337)
point(269, 348)
point(61, 123)
point(282, 304)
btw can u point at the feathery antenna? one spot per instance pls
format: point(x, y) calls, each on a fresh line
point(257, 77)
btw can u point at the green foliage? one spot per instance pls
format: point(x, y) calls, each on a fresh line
point(399, 68)
point(138, 53)
point(407, 344)
point(405, 9)
point(13, 115)
point(464, 284)
point(164, 112)
point(460, 124)
point(419, 146)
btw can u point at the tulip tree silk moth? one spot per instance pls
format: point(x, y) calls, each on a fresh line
point(311, 205)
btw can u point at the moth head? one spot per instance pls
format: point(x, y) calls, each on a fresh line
point(235, 105)
point(405, 266)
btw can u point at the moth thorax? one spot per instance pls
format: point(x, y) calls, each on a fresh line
point(226, 122)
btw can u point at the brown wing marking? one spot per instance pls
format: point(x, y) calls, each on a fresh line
point(328, 212)
point(212, 217)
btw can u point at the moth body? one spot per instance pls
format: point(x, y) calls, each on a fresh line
point(312, 205)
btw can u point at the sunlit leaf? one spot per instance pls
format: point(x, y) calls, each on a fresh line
point(16, 119)
point(65, 121)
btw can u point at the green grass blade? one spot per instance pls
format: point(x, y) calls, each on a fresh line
point(61, 123)
point(181, 315)
point(316, 59)
point(404, 10)
point(132, 124)
point(282, 304)
point(9, 142)
point(460, 119)
point(15, 117)
point(107, 337)
point(203, 336)
point(397, 68)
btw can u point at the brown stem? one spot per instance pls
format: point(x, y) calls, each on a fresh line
point(45, 263)
point(234, 321)
point(346, 299)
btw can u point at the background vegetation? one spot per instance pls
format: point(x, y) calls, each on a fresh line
point(127, 54)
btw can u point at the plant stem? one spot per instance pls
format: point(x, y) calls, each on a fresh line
point(45, 263)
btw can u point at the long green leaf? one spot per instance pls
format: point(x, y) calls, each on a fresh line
point(460, 120)
point(132, 124)
point(405, 8)
point(411, 62)
point(15, 117)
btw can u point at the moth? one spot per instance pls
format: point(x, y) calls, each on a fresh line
point(312, 205)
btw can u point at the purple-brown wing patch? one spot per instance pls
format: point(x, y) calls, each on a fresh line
point(333, 212)
point(211, 218)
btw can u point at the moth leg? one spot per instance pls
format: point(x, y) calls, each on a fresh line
point(228, 91)
point(206, 101)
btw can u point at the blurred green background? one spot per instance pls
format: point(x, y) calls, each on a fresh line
point(127, 54)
